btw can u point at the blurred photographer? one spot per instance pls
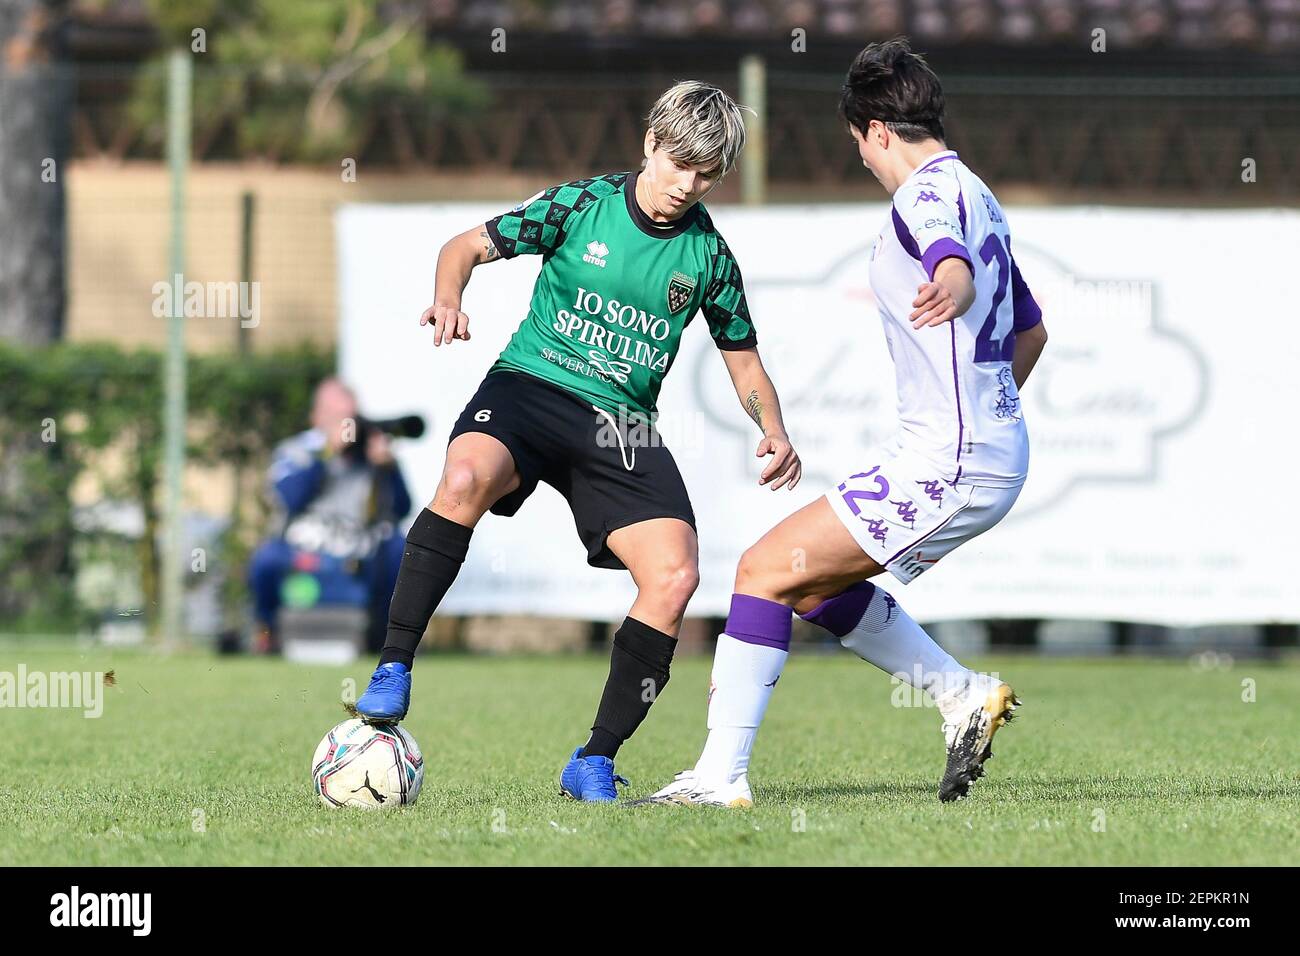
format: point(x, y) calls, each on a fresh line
point(339, 497)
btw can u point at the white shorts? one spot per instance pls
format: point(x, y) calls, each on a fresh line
point(906, 517)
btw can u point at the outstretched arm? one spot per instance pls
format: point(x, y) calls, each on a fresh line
point(950, 295)
point(757, 395)
point(456, 261)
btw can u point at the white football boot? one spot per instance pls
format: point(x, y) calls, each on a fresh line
point(688, 790)
point(971, 716)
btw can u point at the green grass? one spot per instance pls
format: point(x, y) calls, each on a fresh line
point(1183, 770)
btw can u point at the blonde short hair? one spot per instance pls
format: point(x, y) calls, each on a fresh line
point(698, 124)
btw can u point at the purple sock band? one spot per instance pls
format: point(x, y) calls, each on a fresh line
point(841, 614)
point(755, 620)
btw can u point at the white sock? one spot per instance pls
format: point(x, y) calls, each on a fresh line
point(885, 635)
point(744, 676)
point(889, 638)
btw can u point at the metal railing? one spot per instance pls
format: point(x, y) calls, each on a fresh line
point(1159, 138)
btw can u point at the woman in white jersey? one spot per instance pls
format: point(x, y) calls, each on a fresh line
point(964, 332)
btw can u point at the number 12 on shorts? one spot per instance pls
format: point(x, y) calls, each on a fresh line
point(851, 497)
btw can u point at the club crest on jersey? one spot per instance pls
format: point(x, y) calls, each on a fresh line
point(680, 289)
point(596, 253)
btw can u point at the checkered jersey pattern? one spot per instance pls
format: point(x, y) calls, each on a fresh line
point(539, 225)
point(724, 306)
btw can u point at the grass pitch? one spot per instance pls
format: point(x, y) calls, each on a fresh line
point(199, 760)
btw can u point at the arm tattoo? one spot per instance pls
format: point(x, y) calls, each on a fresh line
point(488, 247)
point(754, 407)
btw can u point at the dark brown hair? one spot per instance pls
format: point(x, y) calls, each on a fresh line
point(890, 83)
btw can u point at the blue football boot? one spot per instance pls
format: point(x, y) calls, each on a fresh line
point(388, 697)
point(591, 779)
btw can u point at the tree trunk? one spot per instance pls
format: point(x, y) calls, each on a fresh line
point(35, 120)
point(146, 472)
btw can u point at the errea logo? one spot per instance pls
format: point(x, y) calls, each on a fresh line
point(596, 253)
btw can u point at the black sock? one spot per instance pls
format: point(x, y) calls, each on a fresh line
point(638, 673)
point(435, 550)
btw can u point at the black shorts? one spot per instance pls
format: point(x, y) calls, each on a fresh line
point(612, 473)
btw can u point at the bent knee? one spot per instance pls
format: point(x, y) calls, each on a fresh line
point(750, 569)
point(464, 480)
point(775, 577)
point(675, 584)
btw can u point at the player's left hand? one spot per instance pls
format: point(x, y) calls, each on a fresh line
point(785, 468)
point(934, 305)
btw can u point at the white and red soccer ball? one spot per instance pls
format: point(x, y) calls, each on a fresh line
point(375, 766)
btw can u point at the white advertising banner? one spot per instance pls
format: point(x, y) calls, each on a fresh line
point(1162, 416)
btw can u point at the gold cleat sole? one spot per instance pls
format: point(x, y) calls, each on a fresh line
point(1000, 707)
point(683, 800)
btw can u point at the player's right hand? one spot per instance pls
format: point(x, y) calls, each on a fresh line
point(448, 324)
point(934, 305)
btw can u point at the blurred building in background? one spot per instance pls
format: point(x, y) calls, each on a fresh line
point(1158, 108)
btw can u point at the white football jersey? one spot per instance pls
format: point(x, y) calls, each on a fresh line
point(958, 406)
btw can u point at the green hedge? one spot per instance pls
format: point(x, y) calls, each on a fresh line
point(61, 405)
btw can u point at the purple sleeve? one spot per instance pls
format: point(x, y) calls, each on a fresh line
point(929, 227)
point(941, 249)
point(1027, 314)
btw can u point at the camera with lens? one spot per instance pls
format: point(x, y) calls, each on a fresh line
point(403, 426)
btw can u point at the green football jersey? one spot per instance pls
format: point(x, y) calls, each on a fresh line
point(616, 291)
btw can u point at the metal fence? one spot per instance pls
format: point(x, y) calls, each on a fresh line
point(1157, 139)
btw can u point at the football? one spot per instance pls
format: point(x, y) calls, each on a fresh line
point(377, 767)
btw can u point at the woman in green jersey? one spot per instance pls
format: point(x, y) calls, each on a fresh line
point(628, 259)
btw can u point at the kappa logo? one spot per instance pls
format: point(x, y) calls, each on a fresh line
point(906, 512)
point(937, 165)
point(879, 530)
point(596, 253)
